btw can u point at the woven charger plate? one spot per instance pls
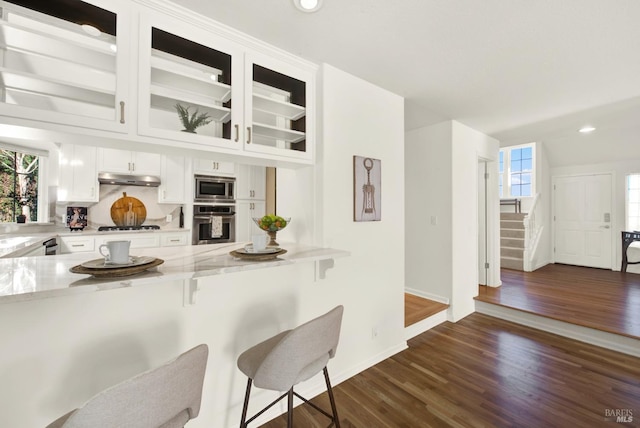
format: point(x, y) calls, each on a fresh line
point(257, 257)
point(116, 271)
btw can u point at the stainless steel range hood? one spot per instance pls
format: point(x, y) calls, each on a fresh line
point(128, 180)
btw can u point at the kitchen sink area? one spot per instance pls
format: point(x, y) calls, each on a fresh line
point(25, 246)
point(9, 243)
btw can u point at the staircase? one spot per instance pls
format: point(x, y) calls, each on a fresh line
point(512, 240)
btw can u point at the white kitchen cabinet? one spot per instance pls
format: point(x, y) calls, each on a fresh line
point(254, 101)
point(128, 162)
point(173, 176)
point(251, 182)
point(54, 71)
point(175, 239)
point(77, 244)
point(91, 243)
point(212, 167)
point(245, 212)
point(187, 66)
point(78, 174)
point(278, 107)
point(138, 240)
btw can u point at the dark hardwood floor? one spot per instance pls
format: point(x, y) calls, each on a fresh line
point(595, 298)
point(417, 308)
point(486, 372)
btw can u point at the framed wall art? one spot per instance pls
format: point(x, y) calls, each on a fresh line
point(77, 218)
point(367, 187)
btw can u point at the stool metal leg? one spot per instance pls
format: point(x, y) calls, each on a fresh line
point(243, 422)
point(334, 410)
point(290, 409)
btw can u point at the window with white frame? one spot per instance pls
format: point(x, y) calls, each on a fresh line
point(22, 186)
point(517, 171)
point(633, 202)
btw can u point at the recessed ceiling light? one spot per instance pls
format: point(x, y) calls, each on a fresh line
point(91, 30)
point(308, 5)
point(586, 129)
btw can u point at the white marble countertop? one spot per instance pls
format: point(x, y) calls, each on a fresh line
point(14, 245)
point(29, 278)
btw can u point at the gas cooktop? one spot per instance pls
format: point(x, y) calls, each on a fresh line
point(116, 228)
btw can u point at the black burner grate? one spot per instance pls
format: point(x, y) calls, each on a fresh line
point(116, 228)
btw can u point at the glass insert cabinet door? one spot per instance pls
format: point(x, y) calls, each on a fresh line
point(187, 85)
point(64, 64)
point(278, 108)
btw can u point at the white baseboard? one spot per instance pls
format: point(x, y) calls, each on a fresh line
point(623, 344)
point(316, 385)
point(427, 324)
point(426, 295)
point(541, 264)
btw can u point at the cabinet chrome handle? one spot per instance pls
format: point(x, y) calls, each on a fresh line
point(77, 245)
point(237, 132)
point(121, 111)
point(164, 194)
point(248, 135)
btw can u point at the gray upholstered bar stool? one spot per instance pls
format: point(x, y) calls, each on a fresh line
point(165, 397)
point(291, 357)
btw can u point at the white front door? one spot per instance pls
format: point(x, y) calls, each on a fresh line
point(582, 220)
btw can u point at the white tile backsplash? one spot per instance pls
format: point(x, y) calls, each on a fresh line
point(99, 214)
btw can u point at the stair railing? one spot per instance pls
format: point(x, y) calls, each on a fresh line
point(532, 230)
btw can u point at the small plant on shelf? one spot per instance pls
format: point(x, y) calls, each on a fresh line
point(191, 121)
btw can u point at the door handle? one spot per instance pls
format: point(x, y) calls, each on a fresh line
point(605, 227)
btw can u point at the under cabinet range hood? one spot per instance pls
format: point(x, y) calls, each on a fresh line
point(128, 180)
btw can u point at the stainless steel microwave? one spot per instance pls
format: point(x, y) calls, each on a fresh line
point(214, 189)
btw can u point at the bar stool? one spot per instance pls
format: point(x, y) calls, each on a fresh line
point(291, 357)
point(165, 397)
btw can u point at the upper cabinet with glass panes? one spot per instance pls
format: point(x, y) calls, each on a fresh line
point(278, 108)
point(181, 79)
point(188, 85)
point(238, 100)
point(63, 64)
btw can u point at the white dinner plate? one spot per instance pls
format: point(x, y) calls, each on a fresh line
point(249, 250)
point(133, 261)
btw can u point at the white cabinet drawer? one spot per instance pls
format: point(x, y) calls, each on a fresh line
point(141, 240)
point(77, 244)
point(174, 239)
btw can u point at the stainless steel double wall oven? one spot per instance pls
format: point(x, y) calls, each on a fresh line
point(214, 220)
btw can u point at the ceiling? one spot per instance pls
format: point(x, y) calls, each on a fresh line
point(518, 70)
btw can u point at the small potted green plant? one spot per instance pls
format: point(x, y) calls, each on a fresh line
point(191, 121)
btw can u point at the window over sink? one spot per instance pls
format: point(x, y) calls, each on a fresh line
point(20, 185)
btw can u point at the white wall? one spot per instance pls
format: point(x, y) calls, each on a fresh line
point(361, 119)
point(469, 145)
point(544, 252)
point(57, 353)
point(428, 261)
point(442, 213)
